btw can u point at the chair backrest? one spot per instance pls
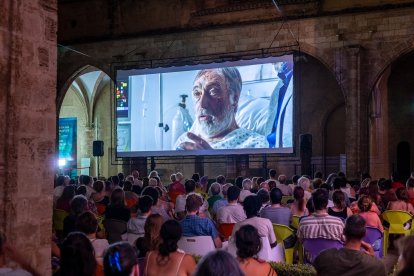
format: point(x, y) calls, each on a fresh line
point(266, 252)
point(285, 199)
point(58, 218)
point(131, 238)
point(282, 232)
point(313, 247)
point(198, 245)
point(226, 229)
point(295, 222)
point(395, 221)
point(114, 229)
point(374, 235)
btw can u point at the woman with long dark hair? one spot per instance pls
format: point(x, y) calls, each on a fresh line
point(168, 260)
point(407, 257)
point(298, 207)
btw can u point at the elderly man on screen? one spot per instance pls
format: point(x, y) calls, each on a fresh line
point(216, 93)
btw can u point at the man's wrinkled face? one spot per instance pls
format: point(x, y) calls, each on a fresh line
point(213, 106)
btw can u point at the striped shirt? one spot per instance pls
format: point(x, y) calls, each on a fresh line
point(321, 226)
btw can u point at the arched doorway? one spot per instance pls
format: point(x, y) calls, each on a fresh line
point(84, 116)
point(392, 118)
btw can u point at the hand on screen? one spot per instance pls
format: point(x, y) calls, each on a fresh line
point(197, 144)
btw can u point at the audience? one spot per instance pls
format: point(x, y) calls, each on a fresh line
point(131, 198)
point(218, 263)
point(355, 258)
point(116, 209)
point(136, 224)
point(168, 260)
point(275, 212)
point(248, 244)
point(78, 205)
point(320, 224)
point(190, 187)
point(401, 203)
point(63, 202)
point(247, 186)
point(193, 225)
point(365, 211)
point(76, 256)
point(121, 260)
point(222, 202)
point(87, 224)
point(233, 212)
point(339, 209)
point(304, 182)
point(264, 226)
point(284, 186)
point(298, 207)
point(151, 239)
point(215, 190)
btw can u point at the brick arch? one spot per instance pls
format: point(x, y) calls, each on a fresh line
point(394, 54)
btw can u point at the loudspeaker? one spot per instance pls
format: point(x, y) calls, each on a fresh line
point(306, 154)
point(98, 148)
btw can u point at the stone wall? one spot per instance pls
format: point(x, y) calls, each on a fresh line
point(28, 126)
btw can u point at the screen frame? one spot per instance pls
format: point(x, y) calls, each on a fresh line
point(168, 65)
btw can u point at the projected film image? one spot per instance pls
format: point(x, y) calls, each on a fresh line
point(228, 108)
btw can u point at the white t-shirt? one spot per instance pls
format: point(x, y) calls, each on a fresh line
point(232, 213)
point(99, 245)
point(263, 225)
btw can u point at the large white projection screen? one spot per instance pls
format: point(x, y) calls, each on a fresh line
point(242, 107)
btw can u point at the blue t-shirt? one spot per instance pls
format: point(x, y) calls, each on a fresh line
point(193, 225)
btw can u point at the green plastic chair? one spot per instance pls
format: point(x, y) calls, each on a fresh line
point(295, 222)
point(285, 199)
point(283, 232)
point(394, 222)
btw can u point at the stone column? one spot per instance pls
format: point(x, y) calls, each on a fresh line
point(28, 126)
point(354, 79)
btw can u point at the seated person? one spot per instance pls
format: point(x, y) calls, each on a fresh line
point(221, 202)
point(233, 212)
point(406, 260)
point(78, 205)
point(136, 224)
point(76, 256)
point(320, 224)
point(298, 207)
point(216, 94)
point(117, 209)
point(355, 258)
point(87, 224)
point(401, 203)
point(247, 186)
point(151, 239)
point(193, 225)
point(121, 259)
point(168, 259)
point(339, 209)
point(264, 196)
point(284, 186)
point(248, 245)
point(131, 198)
point(276, 213)
point(264, 226)
point(215, 190)
point(158, 206)
point(218, 263)
point(365, 210)
point(180, 202)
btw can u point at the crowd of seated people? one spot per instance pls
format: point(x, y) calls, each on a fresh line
point(155, 216)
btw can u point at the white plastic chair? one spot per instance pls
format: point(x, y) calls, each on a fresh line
point(198, 245)
point(131, 238)
point(267, 253)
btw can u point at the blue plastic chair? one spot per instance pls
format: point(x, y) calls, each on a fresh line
point(374, 237)
point(313, 247)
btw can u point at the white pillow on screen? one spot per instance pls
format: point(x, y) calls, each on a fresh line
point(257, 114)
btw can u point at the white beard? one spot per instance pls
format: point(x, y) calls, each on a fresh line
point(215, 127)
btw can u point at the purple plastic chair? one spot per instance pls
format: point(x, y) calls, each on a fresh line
point(374, 237)
point(312, 247)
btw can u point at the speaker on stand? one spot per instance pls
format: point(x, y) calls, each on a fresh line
point(98, 151)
